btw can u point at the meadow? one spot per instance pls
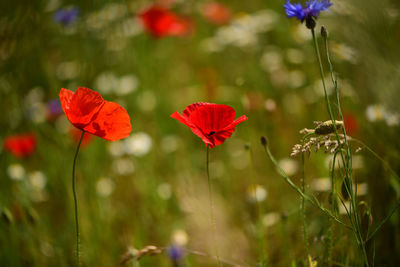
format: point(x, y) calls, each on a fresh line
point(308, 177)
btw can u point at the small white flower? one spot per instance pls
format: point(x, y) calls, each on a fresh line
point(164, 191)
point(271, 218)
point(68, 70)
point(106, 82)
point(37, 179)
point(179, 237)
point(270, 105)
point(289, 166)
point(321, 184)
point(146, 101)
point(375, 113)
point(16, 172)
point(392, 119)
point(297, 78)
point(256, 193)
point(138, 144)
point(362, 189)
point(123, 166)
point(127, 84)
point(105, 186)
point(116, 149)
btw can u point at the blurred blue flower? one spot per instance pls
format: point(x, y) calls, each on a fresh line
point(176, 252)
point(66, 16)
point(53, 108)
point(310, 11)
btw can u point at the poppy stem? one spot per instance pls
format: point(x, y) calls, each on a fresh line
point(76, 200)
point(214, 226)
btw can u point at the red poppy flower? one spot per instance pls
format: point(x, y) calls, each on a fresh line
point(216, 13)
point(161, 22)
point(88, 111)
point(213, 123)
point(20, 145)
point(350, 123)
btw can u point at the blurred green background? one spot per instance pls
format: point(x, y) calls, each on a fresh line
point(151, 188)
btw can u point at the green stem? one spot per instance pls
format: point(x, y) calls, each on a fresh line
point(298, 190)
point(395, 207)
point(384, 162)
point(214, 226)
point(76, 200)
point(347, 164)
point(303, 209)
point(333, 207)
point(260, 211)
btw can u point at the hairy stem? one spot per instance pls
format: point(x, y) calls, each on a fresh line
point(76, 200)
point(214, 226)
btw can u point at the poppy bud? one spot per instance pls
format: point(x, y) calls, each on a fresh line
point(263, 141)
point(324, 32)
point(345, 188)
point(327, 127)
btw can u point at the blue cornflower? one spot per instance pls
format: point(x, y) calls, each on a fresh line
point(309, 12)
point(66, 16)
point(176, 252)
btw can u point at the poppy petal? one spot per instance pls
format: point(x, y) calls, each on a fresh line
point(237, 121)
point(213, 117)
point(112, 122)
point(189, 109)
point(193, 127)
point(83, 106)
point(65, 99)
point(181, 118)
point(220, 137)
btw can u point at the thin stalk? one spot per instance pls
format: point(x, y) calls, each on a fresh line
point(303, 209)
point(298, 190)
point(339, 109)
point(395, 207)
point(214, 226)
point(333, 207)
point(260, 211)
point(76, 200)
point(384, 162)
point(347, 162)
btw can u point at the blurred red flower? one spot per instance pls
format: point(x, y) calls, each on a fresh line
point(20, 145)
point(216, 13)
point(350, 123)
point(213, 123)
point(88, 111)
point(161, 22)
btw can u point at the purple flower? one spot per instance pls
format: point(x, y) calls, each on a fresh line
point(53, 108)
point(176, 252)
point(66, 16)
point(310, 11)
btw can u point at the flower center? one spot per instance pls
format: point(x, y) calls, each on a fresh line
point(211, 133)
